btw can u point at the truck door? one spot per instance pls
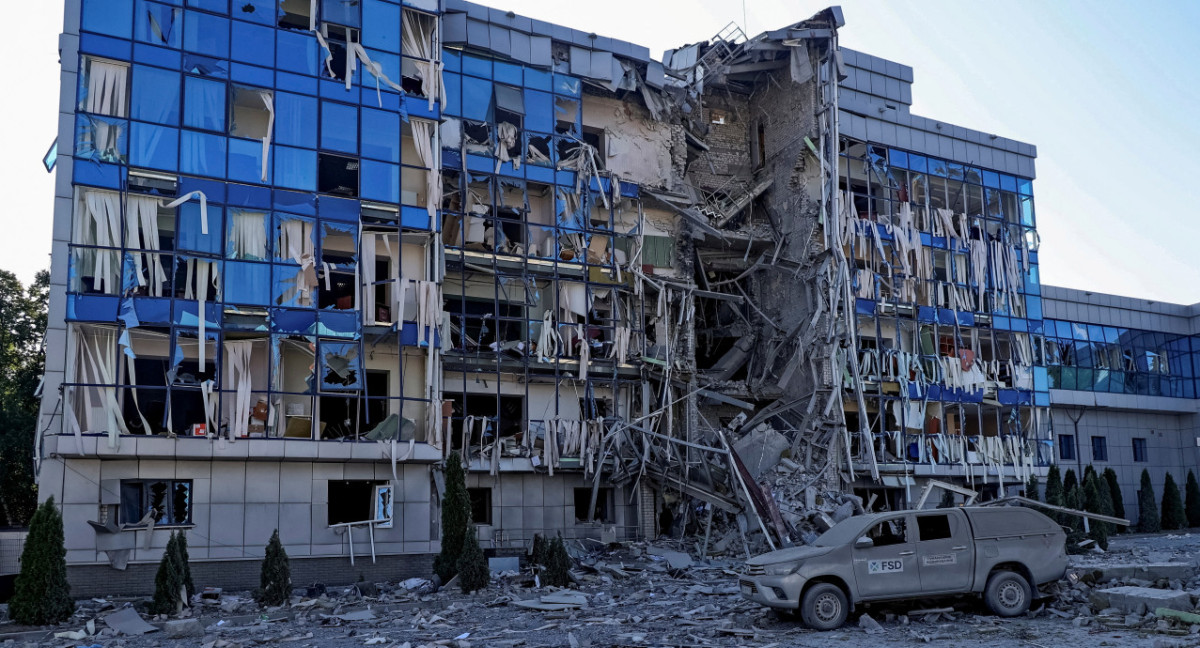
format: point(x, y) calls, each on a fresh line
point(945, 552)
point(887, 566)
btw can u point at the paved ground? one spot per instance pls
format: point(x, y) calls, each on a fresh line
point(635, 600)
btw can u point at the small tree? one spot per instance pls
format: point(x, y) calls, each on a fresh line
point(540, 550)
point(1105, 507)
point(1031, 488)
point(41, 595)
point(1114, 493)
point(186, 563)
point(1054, 487)
point(947, 500)
point(1191, 505)
point(1070, 481)
point(1173, 515)
point(473, 571)
point(276, 582)
point(558, 564)
point(170, 588)
point(1148, 521)
point(456, 517)
point(1094, 503)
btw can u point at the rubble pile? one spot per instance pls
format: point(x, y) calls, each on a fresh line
point(1143, 592)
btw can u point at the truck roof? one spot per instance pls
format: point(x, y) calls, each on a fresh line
point(986, 522)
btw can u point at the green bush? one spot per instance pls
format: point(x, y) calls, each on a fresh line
point(540, 550)
point(473, 572)
point(275, 584)
point(41, 595)
point(1054, 487)
point(1031, 488)
point(947, 500)
point(1118, 500)
point(1173, 515)
point(456, 517)
point(558, 564)
point(1148, 521)
point(1191, 504)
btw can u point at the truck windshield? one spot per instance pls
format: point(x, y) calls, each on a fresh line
point(844, 532)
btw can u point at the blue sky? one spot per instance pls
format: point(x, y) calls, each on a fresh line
point(1106, 91)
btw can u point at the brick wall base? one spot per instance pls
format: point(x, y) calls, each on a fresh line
point(243, 575)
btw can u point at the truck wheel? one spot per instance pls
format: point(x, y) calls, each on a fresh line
point(824, 607)
point(1007, 594)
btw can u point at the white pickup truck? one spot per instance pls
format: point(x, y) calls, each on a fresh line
point(1000, 553)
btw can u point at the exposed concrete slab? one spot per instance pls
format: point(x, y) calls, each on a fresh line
point(1140, 599)
point(1151, 572)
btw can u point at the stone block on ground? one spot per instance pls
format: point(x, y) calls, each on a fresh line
point(1130, 598)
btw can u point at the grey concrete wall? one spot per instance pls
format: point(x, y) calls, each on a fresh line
point(1170, 446)
point(238, 504)
point(243, 575)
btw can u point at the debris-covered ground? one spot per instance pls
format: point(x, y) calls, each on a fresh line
point(656, 595)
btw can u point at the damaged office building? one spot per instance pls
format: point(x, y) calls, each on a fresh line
point(305, 250)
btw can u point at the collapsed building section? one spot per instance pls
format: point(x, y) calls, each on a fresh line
point(709, 294)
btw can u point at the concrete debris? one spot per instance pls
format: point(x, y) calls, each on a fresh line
point(871, 626)
point(182, 628)
point(128, 622)
point(676, 559)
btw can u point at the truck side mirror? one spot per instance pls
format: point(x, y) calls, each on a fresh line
point(864, 543)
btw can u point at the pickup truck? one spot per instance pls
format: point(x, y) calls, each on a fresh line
point(1001, 553)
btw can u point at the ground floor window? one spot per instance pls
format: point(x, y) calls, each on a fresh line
point(170, 500)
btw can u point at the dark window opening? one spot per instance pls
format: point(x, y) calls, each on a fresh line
point(477, 136)
point(1139, 450)
point(592, 408)
point(539, 150)
point(294, 14)
point(888, 532)
point(1066, 447)
point(933, 527)
point(480, 323)
point(603, 511)
point(352, 500)
point(1099, 448)
point(337, 175)
point(338, 38)
point(595, 138)
point(492, 415)
point(340, 294)
point(566, 114)
point(481, 505)
point(171, 501)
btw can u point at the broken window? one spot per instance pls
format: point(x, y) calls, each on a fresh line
point(244, 400)
point(888, 532)
point(353, 501)
point(167, 502)
point(295, 281)
point(603, 511)
point(337, 175)
point(339, 265)
point(566, 116)
point(295, 358)
point(481, 418)
point(419, 48)
point(104, 97)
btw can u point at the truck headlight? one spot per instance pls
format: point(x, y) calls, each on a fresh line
point(781, 569)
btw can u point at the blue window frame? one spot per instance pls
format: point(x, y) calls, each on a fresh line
point(1099, 448)
point(1139, 449)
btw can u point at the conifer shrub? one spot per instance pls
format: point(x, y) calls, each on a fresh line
point(1118, 500)
point(456, 517)
point(275, 584)
point(558, 564)
point(1032, 488)
point(1148, 521)
point(170, 588)
point(1191, 500)
point(1173, 515)
point(41, 594)
point(473, 572)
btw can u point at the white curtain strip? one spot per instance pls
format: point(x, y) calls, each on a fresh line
point(99, 224)
point(107, 96)
point(203, 207)
point(423, 133)
point(248, 234)
point(237, 373)
point(268, 100)
point(141, 231)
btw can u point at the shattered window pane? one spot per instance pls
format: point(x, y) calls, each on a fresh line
point(341, 366)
